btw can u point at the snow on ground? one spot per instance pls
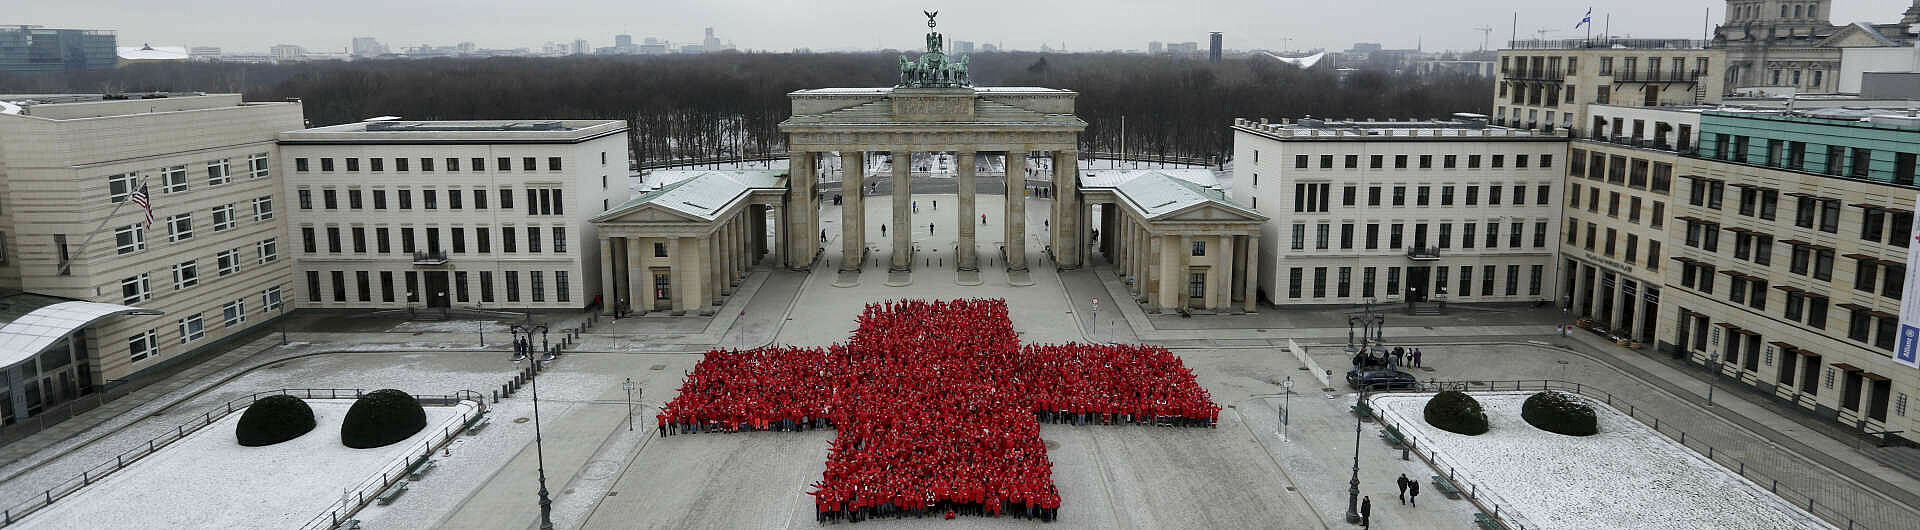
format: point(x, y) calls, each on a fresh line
point(209, 481)
point(453, 326)
point(1625, 477)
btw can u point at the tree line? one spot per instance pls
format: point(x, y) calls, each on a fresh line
point(699, 106)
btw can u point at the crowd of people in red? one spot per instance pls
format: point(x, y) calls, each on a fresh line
point(937, 407)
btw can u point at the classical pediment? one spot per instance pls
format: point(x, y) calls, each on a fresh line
point(650, 213)
point(1210, 212)
point(1856, 36)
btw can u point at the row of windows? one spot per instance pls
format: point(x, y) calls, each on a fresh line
point(192, 328)
point(180, 227)
point(402, 164)
point(1469, 236)
point(1839, 160)
point(456, 242)
point(1657, 213)
point(364, 288)
point(186, 274)
point(1424, 161)
point(1545, 67)
point(540, 201)
point(175, 179)
point(1636, 173)
point(1343, 286)
point(1611, 243)
point(1315, 197)
point(1801, 369)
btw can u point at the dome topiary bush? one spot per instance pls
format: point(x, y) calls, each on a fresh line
point(1558, 412)
point(274, 419)
point(380, 418)
point(1455, 411)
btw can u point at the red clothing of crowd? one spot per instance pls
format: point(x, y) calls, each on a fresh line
point(935, 404)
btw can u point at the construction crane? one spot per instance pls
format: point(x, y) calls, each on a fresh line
point(1486, 32)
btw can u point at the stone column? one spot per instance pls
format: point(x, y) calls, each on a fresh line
point(902, 211)
point(1641, 312)
point(1146, 249)
point(710, 268)
point(1579, 289)
point(1068, 225)
point(609, 289)
point(1109, 230)
point(799, 229)
point(688, 280)
point(639, 293)
point(1253, 272)
point(1015, 223)
point(1620, 300)
point(723, 258)
point(1169, 290)
point(1239, 266)
point(1223, 275)
point(967, 259)
point(781, 234)
point(853, 213)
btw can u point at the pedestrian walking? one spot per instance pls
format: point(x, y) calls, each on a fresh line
point(1413, 492)
point(929, 228)
point(823, 235)
point(1416, 357)
point(983, 218)
point(883, 230)
point(1402, 483)
point(936, 205)
point(1366, 512)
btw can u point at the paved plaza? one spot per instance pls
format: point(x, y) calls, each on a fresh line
point(1243, 474)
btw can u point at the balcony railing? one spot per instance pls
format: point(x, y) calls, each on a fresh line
point(1635, 76)
point(1423, 253)
point(431, 257)
point(1549, 74)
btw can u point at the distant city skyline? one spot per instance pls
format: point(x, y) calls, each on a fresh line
point(876, 24)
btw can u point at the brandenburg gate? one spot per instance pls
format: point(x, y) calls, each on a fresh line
point(934, 108)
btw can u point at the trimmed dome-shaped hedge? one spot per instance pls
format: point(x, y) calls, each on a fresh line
point(1557, 412)
point(380, 418)
point(1457, 412)
point(274, 419)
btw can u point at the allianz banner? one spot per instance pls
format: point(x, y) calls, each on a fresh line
point(1907, 352)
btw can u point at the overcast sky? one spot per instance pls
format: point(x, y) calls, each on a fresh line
point(254, 25)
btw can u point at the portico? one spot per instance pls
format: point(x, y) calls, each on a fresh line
point(684, 246)
point(1179, 244)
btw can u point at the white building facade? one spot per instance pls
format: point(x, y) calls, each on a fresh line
point(212, 261)
point(1401, 211)
point(471, 214)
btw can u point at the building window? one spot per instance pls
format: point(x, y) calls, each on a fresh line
point(219, 172)
point(186, 274)
point(1319, 282)
point(120, 187)
point(223, 218)
point(143, 345)
point(1344, 287)
point(192, 328)
point(329, 199)
point(263, 209)
point(179, 227)
point(234, 313)
point(269, 250)
point(560, 288)
point(513, 286)
point(270, 300)
point(1293, 282)
point(131, 238)
point(300, 164)
point(135, 289)
point(228, 261)
point(539, 293)
point(173, 179)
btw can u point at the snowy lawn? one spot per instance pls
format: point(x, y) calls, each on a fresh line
point(208, 480)
point(1625, 477)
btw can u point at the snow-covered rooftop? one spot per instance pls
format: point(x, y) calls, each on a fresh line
point(1159, 192)
point(704, 194)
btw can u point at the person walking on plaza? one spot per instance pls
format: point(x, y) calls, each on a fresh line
point(1366, 512)
point(1402, 483)
point(1413, 493)
point(1416, 357)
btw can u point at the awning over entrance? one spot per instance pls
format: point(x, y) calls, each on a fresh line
point(38, 329)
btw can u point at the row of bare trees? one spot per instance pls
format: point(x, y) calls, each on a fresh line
point(700, 106)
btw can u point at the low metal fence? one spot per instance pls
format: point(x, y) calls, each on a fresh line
point(15, 511)
point(1843, 503)
point(357, 496)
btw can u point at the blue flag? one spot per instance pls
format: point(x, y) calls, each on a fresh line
point(1585, 20)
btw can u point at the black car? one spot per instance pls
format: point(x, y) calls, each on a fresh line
point(1381, 379)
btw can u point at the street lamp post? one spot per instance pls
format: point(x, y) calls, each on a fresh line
point(628, 385)
point(1353, 486)
point(540, 455)
point(1286, 406)
point(283, 322)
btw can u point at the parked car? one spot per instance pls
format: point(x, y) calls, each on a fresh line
point(1381, 379)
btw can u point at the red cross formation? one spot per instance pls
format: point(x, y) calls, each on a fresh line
point(936, 404)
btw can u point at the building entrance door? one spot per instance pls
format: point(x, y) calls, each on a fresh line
point(437, 289)
point(1417, 284)
point(662, 291)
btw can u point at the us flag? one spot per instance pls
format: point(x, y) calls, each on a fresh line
point(140, 198)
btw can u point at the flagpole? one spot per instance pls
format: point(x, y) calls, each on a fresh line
point(67, 268)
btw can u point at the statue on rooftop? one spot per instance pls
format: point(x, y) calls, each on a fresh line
point(933, 69)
